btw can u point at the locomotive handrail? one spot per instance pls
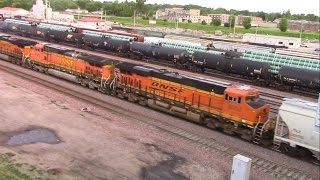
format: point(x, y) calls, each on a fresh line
point(256, 126)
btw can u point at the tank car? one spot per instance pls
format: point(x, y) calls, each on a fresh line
point(253, 69)
point(298, 77)
point(55, 36)
point(13, 28)
point(175, 55)
point(93, 42)
point(116, 45)
point(3, 26)
point(141, 49)
point(73, 38)
point(210, 61)
point(297, 129)
point(38, 32)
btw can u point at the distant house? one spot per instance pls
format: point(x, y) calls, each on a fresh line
point(12, 11)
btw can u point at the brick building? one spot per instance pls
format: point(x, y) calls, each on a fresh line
point(302, 24)
point(224, 18)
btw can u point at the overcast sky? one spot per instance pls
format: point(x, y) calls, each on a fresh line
point(295, 6)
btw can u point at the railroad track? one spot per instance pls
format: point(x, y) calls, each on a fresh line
point(260, 164)
point(163, 63)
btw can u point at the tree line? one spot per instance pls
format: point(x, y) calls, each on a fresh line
point(127, 8)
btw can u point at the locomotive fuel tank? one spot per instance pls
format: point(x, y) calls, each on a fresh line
point(299, 77)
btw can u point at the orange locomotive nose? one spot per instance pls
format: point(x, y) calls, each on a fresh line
point(263, 113)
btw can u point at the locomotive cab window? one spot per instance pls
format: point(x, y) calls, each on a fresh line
point(255, 101)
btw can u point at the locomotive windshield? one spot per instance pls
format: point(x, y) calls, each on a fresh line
point(255, 101)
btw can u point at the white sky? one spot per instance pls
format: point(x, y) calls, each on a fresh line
point(295, 6)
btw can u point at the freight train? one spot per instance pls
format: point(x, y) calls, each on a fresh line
point(236, 110)
point(258, 72)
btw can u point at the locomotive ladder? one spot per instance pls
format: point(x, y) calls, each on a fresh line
point(258, 130)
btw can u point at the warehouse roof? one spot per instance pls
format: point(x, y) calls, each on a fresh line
point(90, 19)
point(10, 9)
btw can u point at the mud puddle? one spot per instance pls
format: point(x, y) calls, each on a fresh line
point(32, 135)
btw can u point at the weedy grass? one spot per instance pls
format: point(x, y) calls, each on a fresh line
point(10, 169)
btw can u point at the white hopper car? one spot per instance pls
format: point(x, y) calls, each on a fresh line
point(298, 128)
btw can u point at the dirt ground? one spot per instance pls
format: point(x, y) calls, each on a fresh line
point(89, 146)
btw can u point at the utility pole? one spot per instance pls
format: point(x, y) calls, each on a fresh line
point(229, 25)
point(101, 12)
point(134, 18)
point(301, 31)
point(177, 21)
point(234, 26)
point(255, 36)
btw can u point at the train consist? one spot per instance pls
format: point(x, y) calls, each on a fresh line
point(236, 110)
point(260, 72)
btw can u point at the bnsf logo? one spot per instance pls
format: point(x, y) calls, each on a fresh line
point(163, 86)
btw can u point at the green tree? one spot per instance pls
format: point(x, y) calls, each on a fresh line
point(286, 14)
point(247, 22)
point(226, 24)
point(216, 22)
point(283, 25)
point(204, 22)
point(232, 19)
point(140, 5)
point(82, 3)
point(93, 6)
point(189, 21)
point(61, 5)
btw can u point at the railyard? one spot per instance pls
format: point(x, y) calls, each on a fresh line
point(168, 160)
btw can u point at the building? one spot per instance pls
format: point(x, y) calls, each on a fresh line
point(272, 40)
point(195, 19)
point(254, 20)
point(304, 25)
point(224, 18)
point(182, 15)
point(175, 13)
point(41, 10)
point(10, 12)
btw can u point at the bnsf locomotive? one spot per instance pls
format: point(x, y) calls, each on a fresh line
point(236, 110)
